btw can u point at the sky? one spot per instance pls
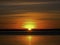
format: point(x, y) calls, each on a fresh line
point(43, 14)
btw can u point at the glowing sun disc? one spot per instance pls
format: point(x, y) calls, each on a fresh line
point(29, 25)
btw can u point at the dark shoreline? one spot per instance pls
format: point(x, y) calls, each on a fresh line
point(32, 32)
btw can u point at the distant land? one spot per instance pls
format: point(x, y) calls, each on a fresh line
point(27, 32)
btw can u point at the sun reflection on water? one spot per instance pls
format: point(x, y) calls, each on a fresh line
point(30, 39)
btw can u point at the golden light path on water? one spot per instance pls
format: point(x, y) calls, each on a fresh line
point(29, 40)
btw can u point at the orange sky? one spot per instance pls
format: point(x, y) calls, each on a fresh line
point(36, 14)
point(37, 19)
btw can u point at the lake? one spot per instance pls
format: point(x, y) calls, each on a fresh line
point(29, 40)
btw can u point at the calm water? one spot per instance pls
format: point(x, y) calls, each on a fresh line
point(29, 40)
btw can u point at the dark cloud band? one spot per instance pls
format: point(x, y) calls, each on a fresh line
point(18, 9)
point(28, 0)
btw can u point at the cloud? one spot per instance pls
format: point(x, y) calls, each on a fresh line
point(20, 8)
point(28, 0)
point(49, 19)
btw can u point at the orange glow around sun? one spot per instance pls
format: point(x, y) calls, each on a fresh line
point(29, 25)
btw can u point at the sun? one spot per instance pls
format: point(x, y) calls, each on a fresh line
point(29, 25)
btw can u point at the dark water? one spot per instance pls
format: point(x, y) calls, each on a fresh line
point(29, 40)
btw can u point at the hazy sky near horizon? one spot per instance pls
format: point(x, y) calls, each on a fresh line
point(13, 13)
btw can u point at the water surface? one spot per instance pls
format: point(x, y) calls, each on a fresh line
point(29, 40)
